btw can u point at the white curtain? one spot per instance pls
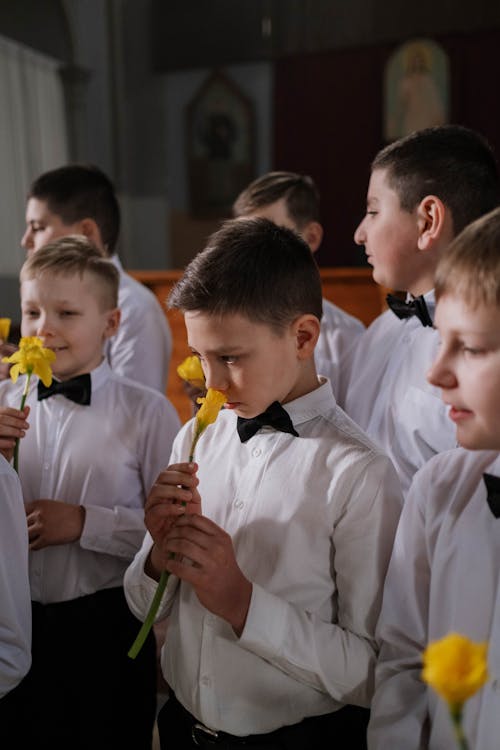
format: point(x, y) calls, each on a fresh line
point(33, 138)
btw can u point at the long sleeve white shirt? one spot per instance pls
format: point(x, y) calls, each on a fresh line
point(15, 607)
point(142, 346)
point(338, 332)
point(105, 456)
point(312, 519)
point(385, 390)
point(444, 577)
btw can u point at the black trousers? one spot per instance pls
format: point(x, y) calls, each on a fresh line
point(342, 730)
point(83, 692)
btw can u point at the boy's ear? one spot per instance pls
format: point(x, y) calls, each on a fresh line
point(112, 322)
point(433, 221)
point(313, 235)
point(91, 231)
point(306, 330)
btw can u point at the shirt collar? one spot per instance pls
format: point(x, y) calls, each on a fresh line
point(100, 375)
point(115, 260)
point(313, 404)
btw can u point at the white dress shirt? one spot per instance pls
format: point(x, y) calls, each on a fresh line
point(444, 577)
point(338, 332)
point(105, 456)
point(385, 390)
point(15, 607)
point(142, 346)
point(312, 519)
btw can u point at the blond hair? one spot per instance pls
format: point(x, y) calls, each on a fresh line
point(75, 255)
point(470, 266)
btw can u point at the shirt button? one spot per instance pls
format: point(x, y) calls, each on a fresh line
point(46, 467)
point(495, 685)
point(206, 681)
point(239, 504)
point(256, 452)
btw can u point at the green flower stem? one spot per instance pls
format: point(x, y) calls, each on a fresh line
point(153, 609)
point(23, 401)
point(150, 617)
point(456, 717)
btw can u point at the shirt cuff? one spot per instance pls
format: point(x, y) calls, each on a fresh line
point(264, 631)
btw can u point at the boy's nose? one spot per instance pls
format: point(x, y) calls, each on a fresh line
point(27, 239)
point(360, 234)
point(441, 376)
point(215, 378)
point(43, 328)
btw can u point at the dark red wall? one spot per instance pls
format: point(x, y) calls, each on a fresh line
point(328, 122)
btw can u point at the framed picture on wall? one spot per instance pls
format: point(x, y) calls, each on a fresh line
point(220, 146)
point(416, 88)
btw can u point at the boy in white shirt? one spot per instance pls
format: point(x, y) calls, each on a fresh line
point(423, 190)
point(292, 200)
point(15, 612)
point(80, 199)
point(95, 444)
point(282, 550)
point(444, 574)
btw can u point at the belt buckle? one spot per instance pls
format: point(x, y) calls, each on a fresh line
point(208, 735)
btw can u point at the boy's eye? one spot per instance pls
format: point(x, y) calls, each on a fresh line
point(229, 359)
point(30, 313)
point(371, 213)
point(472, 350)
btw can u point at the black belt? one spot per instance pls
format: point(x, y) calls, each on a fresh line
point(203, 736)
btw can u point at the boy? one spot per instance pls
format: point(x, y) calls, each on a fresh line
point(80, 199)
point(280, 569)
point(444, 573)
point(86, 464)
point(15, 613)
point(423, 190)
point(292, 200)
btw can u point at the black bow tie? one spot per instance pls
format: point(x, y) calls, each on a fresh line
point(77, 389)
point(493, 486)
point(404, 309)
point(274, 416)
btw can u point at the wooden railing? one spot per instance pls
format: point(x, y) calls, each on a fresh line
point(352, 289)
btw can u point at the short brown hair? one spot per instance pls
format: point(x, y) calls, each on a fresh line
point(452, 162)
point(254, 268)
point(470, 266)
point(81, 191)
point(299, 191)
point(75, 255)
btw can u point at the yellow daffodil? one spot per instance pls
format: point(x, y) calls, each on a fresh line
point(31, 357)
point(456, 668)
point(211, 405)
point(191, 370)
point(4, 329)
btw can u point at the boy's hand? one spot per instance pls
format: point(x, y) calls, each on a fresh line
point(53, 522)
point(13, 425)
point(205, 558)
point(174, 494)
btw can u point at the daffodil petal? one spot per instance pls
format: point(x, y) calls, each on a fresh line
point(42, 369)
point(15, 357)
point(15, 371)
point(191, 370)
point(455, 667)
point(4, 328)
